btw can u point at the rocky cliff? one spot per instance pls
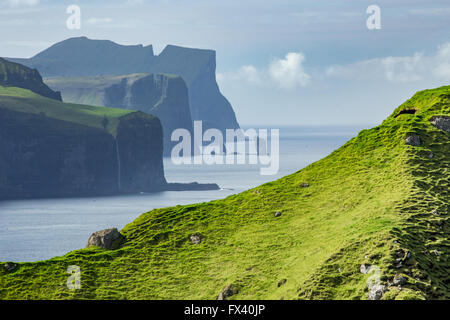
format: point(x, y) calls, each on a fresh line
point(85, 57)
point(16, 75)
point(198, 68)
point(164, 96)
point(53, 149)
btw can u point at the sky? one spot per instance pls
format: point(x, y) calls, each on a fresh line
point(279, 62)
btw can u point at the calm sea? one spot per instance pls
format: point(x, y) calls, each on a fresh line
point(32, 230)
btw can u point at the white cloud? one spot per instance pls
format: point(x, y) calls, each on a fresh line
point(403, 69)
point(15, 3)
point(416, 67)
point(250, 74)
point(96, 21)
point(289, 72)
point(442, 68)
point(286, 73)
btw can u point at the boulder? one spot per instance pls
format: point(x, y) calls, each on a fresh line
point(227, 292)
point(304, 185)
point(413, 140)
point(365, 268)
point(441, 122)
point(376, 291)
point(10, 266)
point(196, 238)
point(106, 239)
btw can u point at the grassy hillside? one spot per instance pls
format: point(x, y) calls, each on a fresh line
point(17, 75)
point(22, 100)
point(374, 201)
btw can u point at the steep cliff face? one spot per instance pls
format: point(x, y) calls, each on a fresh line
point(85, 57)
point(53, 149)
point(16, 75)
point(139, 153)
point(164, 96)
point(198, 68)
point(45, 157)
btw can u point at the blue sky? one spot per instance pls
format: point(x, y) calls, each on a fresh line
point(280, 62)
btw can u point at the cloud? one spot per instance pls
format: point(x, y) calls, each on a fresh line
point(250, 74)
point(289, 72)
point(285, 73)
point(414, 68)
point(442, 67)
point(15, 3)
point(403, 69)
point(97, 21)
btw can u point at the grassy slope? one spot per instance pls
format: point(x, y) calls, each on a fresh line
point(23, 100)
point(366, 201)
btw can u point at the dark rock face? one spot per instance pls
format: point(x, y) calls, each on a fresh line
point(193, 186)
point(139, 153)
point(164, 96)
point(227, 292)
point(441, 122)
point(46, 157)
point(42, 157)
point(413, 140)
point(85, 57)
point(106, 239)
point(10, 266)
point(198, 68)
point(16, 75)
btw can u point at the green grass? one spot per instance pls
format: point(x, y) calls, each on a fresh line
point(22, 100)
point(370, 201)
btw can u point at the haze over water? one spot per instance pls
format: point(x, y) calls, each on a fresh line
point(32, 230)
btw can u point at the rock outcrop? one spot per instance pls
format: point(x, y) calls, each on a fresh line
point(106, 239)
point(441, 122)
point(164, 96)
point(227, 292)
point(16, 75)
point(198, 68)
point(413, 140)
